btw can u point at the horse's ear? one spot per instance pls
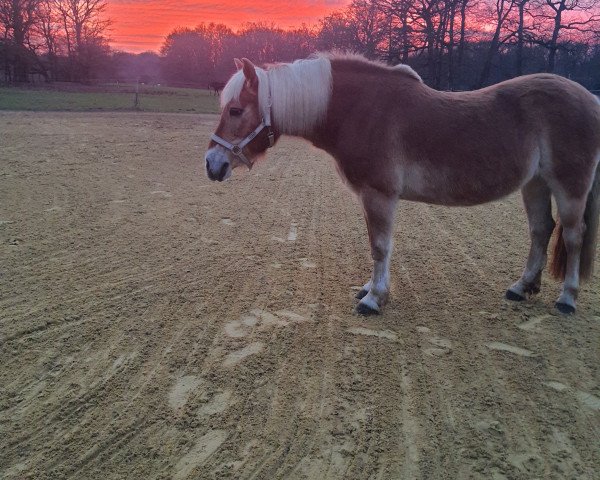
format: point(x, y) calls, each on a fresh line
point(238, 63)
point(250, 74)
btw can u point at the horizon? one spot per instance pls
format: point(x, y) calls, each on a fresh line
point(136, 31)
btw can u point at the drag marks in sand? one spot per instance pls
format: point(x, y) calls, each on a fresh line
point(387, 334)
point(503, 347)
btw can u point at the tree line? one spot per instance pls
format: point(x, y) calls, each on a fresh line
point(453, 44)
point(53, 39)
point(471, 43)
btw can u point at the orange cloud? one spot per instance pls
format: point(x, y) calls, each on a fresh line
point(141, 25)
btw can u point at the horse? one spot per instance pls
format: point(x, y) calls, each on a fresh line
point(394, 138)
point(216, 87)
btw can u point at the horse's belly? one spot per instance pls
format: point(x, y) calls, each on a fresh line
point(460, 188)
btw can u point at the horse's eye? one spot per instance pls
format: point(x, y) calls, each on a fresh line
point(235, 112)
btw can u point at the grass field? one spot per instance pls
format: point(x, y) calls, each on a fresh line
point(108, 98)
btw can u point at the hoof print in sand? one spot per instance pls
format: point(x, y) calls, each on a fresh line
point(293, 234)
point(236, 357)
point(217, 404)
point(306, 263)
point(533, 323)
point(442, 346)
point(256, 320)
point(181, 391)
point(161, 193)
point(585, 398)
point(204, 447)
point(261, 320)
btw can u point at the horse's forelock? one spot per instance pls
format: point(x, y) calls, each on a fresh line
point(235, 86)
point(232, 88)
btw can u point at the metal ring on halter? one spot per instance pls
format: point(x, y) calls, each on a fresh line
point(236, 150)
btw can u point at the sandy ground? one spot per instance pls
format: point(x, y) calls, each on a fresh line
point(155, 325)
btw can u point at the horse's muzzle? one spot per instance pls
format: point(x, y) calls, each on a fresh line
point(217, 166)
point(220, 175)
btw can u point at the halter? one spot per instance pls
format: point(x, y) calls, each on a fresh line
point(238, 148)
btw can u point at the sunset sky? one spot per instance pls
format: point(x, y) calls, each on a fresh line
point(142, 25)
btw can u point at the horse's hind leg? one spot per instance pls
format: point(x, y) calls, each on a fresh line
point(379, 215)
point(570, 211)
point(536, 198)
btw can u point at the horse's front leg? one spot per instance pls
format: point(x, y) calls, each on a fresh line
point(379, 215)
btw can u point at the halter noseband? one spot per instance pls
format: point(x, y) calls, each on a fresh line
point(237, 149)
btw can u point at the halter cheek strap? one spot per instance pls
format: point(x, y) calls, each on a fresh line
point(237, 149)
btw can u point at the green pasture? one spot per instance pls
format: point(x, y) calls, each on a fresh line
point(108, 98)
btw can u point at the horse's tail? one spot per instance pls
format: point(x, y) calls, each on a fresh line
point(591, 216)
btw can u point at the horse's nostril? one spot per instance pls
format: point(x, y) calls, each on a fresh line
point(209, 171)
point(223, 171)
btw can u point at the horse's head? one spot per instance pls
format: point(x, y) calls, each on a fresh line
point(244, 131)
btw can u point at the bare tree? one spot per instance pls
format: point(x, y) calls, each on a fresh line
point(17, 18)
point(520, 33)
point(425, 14)
point(502, 10)
point(83, 26)
point(48, 28)
point(369, 26)
point(465, 5)
point(554, 18)
point(397, 16)
point(360, 28)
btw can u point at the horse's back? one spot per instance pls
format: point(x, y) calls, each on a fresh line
point(456, 148)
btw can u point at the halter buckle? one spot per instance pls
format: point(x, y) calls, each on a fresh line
point(271, 137)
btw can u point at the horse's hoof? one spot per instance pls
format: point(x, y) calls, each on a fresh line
point(564, 308)
point(363, 309)
point(363, 292)
point(515, 297)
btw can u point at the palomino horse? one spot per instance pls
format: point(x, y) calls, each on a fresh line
point(395, 138)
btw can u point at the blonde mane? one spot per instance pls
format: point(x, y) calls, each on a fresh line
point(298, 93)
point(405, 69)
